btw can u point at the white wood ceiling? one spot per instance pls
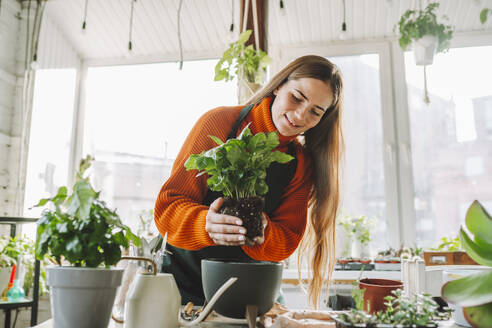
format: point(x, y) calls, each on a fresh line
point(205, 24)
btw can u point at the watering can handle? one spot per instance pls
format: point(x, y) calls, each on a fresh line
point(136, 258)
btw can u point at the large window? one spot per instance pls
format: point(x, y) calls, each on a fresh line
point(451, 139)
point(50, 136)
point(137, 118)
point(363, 184)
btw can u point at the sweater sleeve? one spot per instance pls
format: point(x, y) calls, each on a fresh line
point(178, 210)
point(286, 226)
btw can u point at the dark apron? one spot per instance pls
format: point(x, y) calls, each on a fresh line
point(185, 265)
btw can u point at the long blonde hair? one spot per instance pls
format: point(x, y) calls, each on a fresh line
point(324, 143)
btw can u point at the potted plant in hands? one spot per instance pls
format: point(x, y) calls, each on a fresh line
point(237, 168)
point(474, 292)
point(81, 230)
point(245, 62)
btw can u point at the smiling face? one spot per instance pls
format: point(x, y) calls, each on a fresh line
point(300, 104)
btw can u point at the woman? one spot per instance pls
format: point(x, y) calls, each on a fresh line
point(303, 100)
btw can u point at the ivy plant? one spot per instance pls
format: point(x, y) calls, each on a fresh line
point(243, 61)
point(80, 227)
point(414, 24)
point(237, 168)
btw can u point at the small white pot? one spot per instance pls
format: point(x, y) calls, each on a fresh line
point(424, 49)
point(356, 249)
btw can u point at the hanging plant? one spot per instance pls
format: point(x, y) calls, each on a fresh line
point(420, 29)
point(242, 61)
point(416, 24)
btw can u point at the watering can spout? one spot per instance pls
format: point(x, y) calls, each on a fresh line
point(208, 308)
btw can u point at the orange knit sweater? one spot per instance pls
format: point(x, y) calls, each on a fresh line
point(178, 209)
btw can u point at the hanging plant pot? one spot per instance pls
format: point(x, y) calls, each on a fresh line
point(424, 49)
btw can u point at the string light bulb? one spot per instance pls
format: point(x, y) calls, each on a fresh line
point(343, 33)
point(282, 8)
point(84, 23)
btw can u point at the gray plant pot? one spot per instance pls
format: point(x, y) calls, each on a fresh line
point(82, 297)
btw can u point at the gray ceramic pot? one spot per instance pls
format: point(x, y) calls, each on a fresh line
point(82, 297)
point(258, 284)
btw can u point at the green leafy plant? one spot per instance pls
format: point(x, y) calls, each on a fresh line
point(243, 61)
point(484, 14)
point(419, 310)
point(474, 292)
point(358, 226)
point(80, 227)
point(358, 293)
point(20, 249)
point(414, 24)
point(416, 311)
point(10, 250)
point(237, 168)
point(449, 244)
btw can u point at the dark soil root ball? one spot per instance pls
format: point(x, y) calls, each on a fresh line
point(247, 209)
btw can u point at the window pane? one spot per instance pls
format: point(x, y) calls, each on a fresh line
point(363, 178)
point(451, 139)
point(137, 118)
point(50, 136)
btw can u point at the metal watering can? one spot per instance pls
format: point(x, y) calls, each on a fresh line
point(153, 300)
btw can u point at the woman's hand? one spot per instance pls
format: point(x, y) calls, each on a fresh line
point(224, 229)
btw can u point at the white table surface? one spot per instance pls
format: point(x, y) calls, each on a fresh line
point(112, 324)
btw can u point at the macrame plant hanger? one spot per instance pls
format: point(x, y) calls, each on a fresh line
point(130, 32)
point(417, 5)
point(242, 75)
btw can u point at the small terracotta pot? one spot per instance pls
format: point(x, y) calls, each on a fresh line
point(376, 291)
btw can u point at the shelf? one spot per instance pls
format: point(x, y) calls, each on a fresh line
point(24, 302)
point(15, 220)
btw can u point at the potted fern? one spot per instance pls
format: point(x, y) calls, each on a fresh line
point(244, 62)
point(420, 29)
point(473, 293)
point(80, 230)
point(237, 168)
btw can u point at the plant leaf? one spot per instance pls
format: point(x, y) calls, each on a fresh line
point(479, 222)
point(243, 37)
point(480, 255)
point(484, 14)
point(217, 140)
point(479, 316)
point(469, 291)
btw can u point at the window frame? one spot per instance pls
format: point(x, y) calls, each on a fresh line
point(390, 153)
point(398, 165)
